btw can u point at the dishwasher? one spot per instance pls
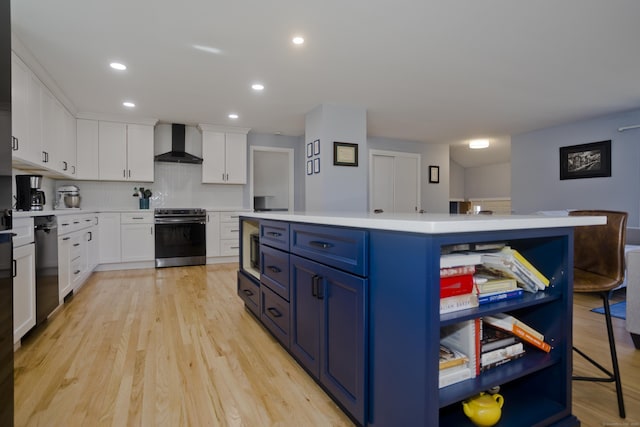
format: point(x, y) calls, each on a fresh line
point(46, 239)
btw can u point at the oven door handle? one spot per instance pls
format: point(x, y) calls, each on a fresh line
point(180, 221)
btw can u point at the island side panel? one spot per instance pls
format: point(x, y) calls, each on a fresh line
point(404, 319)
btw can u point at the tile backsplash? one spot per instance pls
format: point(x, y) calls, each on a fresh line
point(176, 185)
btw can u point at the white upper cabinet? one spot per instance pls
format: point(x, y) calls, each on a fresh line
point(224, 154)
point(87, 161)
point(125, 152)
point(19, 112)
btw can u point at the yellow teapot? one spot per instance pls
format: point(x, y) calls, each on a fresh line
point(484, 410)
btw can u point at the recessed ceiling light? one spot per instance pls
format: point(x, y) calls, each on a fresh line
point(478, 143)
point(233, 116)
point(257, 86)
point(128, 104)
point(298, 40)
point(118, 66)
point(209, 49)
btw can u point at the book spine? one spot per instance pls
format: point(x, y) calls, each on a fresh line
point(448, 378)
point(529, 329)
point(525, 262)
point(526, 336)
point(501, 353)
point(502, 296)
point(457, 271)
point(501, 362)
point(458, 302)
point(456, 285)
point(477, 337)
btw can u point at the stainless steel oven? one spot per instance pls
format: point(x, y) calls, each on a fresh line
point(180, 237)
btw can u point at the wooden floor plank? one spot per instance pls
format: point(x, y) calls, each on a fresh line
point(175, 347)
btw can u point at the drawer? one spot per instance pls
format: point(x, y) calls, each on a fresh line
point(68, 223)
point(274, 270)
point(275, 234)
point(229, 247)
point(76, 270)
point(274, 313)
point(23, 228)
point(76, 245)
point(342, 248)
point(249, 291)
point(229, 216)
point(136, 218)
point(230, 230)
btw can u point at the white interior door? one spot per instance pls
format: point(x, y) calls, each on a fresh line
point(394, 181)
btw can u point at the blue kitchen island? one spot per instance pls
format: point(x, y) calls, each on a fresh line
point(355, 299)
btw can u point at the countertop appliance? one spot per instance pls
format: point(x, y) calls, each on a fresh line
point(29, 196)
point(180, 237)
point(68, 197)
point(6, 247)
point(46, 239)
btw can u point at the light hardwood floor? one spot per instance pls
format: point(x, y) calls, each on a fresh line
point(175, 347)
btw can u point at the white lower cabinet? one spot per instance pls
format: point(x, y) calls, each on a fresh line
point(137, 237)
point(77, 248)
point(24, 290)
point(109, 238)
point(223, 231)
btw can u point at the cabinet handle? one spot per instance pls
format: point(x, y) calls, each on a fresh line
point(321, 245)
point(73, 170)
point(66, 165)
point(274, 312)
point(129, 173)
point(44, 157)
point(235, 247)
point(137, 217)
point(124, 173)
point(88, 220)
point(274, 269)
point(76, 272)
point(234, 231)
point(247, 292)
point(15, 269)
point(16, 144)
point(76, 222)
point(90, 236)
point(76, 245)
point(66, 238)
point(223, 177)
point(151, 232)
point(274, 234)
point(314, 285)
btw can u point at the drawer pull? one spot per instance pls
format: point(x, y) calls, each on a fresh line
point(88, 220)
point(274, 312)
point(76, 244)
point(65, 224)
point(235, 247)
point(322, 245)
point(76, 222)
point(248, 292)
point(66, 238)
point(274, 269)
point(274, 234)
point(234, 231)
point(137, 217)
point(315, 284)
point(76, 272)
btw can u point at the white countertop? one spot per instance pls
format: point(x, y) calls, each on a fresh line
point(58, 212)
point(432, 223)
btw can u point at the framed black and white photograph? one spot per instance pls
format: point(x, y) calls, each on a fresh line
point(434, 174)
point(591, 160)
point(309, 167)
point(309, 149)
point(345, 154)
point(316, 147)
point(316, 165)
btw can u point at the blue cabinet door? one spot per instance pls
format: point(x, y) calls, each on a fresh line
point(328, 330)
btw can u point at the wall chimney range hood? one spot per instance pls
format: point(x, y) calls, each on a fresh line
point(177, 153)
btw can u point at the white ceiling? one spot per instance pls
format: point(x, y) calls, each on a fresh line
point(431, 71)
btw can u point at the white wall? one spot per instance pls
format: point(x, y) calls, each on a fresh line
point(271, 177)
point(491, 181)
point(456, 181)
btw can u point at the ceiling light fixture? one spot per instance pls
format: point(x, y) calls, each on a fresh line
point(233, 116)
point(478, 143)
point(257, 86)
point(208, 49)
point(128, 104)
point(298, 40)
point(118, 66)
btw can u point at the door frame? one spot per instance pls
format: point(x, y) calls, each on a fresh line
point(394, 154)
point(290, 153)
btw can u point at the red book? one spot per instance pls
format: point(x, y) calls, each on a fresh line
point(456, 285)
point(457, 271)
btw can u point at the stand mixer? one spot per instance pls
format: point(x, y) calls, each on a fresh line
point(68, 197)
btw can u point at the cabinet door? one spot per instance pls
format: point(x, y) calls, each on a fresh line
point(69, 143)
point(19, 112)
point(305, 313)
point(51, 114)
point(213, 157)
point(213, 233)
point(87, 161)
point(91, 236)
point(137, 242)
point(65, 277)
point(140, 153)
point(24, 291)
point(109, 238)
point(112, 149)
point(236, 158)
point(35, 122)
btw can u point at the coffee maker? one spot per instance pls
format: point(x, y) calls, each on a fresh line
point(29, 196)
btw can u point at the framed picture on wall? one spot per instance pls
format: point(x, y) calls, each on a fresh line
point(309, 149)
point(309, 167)
point(316, 147)
point(316, 165)
point(591, 160)
point(345, 154)
point(434, 174)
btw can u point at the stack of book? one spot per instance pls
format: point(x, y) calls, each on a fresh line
point(518, 328)
point(457, 290)
point(508, 262)
point(491, 288)
point(459, 352)
point(498, 347)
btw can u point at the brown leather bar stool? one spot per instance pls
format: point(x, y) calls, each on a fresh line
point(598, 263)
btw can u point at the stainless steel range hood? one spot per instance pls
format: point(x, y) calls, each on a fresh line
point(177, 153)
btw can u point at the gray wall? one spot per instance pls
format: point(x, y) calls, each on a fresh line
point(535, 165)
point(456, 181)
point(486, 182)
